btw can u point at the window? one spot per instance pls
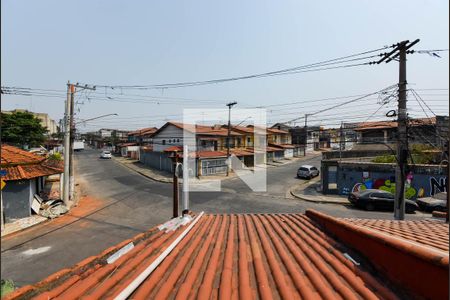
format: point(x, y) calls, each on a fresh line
point(178, 140)
point(314, 168)
point(163, 142)
point(248, 140)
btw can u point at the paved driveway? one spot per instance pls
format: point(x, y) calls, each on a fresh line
point(131, 203)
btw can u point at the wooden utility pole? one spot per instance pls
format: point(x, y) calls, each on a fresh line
point(230, 105)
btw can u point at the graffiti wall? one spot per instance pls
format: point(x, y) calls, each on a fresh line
point(417, 185)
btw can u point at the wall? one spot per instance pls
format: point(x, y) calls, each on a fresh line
point(354, 153)
point(171, 132)
point(156, 160)
point(421, 181)
point(16, 199)
point(288, 153)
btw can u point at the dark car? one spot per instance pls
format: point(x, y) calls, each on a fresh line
point(372, 199)
point(437, 202)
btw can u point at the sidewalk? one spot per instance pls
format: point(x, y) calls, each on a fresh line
point(308, 191)
point(286, 161)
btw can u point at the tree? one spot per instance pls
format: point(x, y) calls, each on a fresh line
point(22, 129)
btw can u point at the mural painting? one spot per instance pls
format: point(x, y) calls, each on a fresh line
point(388, 185)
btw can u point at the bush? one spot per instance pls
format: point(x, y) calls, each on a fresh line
point(55, 156)
point(384, 159)
point(7, 287)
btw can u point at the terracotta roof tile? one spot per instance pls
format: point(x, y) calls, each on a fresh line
point(431, 233)
point(250, 256)
point(21, 164)
point(173, 148)
point(14, 156)
point(393, 124)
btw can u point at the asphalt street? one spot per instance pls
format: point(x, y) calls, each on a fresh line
point(132, 203)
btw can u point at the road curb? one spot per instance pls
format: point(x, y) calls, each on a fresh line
point(142, 173)
point(311, 198)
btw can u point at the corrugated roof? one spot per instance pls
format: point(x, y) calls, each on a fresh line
point(250, 256)
point(11, 155)
point(432, 233)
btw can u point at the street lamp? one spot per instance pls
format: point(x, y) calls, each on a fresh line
point(102, 116)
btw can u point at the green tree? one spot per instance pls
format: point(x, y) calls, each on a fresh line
point(21, 129)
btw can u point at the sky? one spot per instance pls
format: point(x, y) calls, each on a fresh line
point(45, 44)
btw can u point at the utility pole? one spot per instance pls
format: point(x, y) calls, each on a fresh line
point(399, 52)
point(67, 115)
point(402, 139)
point(72, 139)
point(341, 134)
point(230, 105)
point(69, 137)
point(306, 134)
point(175, 185)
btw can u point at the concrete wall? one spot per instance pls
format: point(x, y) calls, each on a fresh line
point(422, 180)
point(16, 199)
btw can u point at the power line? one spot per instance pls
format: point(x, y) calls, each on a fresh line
point(287, 71)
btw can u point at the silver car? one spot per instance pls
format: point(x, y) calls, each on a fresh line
point(106, 155)
point(307, 171)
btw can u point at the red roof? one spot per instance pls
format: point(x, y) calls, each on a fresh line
point(126, 144)
point(11, 155)
point(431, 233)
point(393, 124)
point(211, 154)
point(143, 131)
point(173, 149)
point(253, 256)
point(20, 164)
point(200, 129)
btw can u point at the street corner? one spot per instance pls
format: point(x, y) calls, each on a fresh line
point(307, 191)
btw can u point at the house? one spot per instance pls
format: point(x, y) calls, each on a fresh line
point(263, 256)
point(420, 131)
point(25, 177)
point(299, 139)
point(210, 143)
point(142, 136)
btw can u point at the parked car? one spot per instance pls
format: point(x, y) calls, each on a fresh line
point(307, 171)
point(437, 202)
point(106, 154)
point(372, 199)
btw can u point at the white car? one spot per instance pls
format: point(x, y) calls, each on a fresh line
point(307, 171)
point(106, 154)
